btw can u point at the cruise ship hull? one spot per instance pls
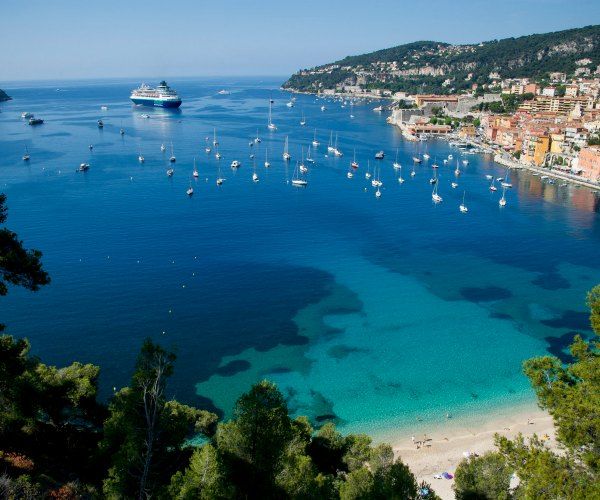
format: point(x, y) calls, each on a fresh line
point(156, 102)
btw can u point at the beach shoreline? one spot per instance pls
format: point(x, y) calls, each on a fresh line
point(440, 449)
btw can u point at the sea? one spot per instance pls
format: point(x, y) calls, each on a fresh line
point(371, 312)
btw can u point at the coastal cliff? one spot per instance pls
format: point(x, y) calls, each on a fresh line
point(442, 68)
point(4, 96)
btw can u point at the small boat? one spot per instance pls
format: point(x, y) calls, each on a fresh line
point(257, 139)
point(499, 179)
point(303, 120)
point(368, 172)
point(190, 190)
point(397, 165)
point(378, 109)
point(445, 161)
point(492, 187)
point(104, 108)
point(286, 154)
point(91, 146)
point(330, 147)
point(172, 158)
point(141, 159)
point(297, 180)
point(220, 181)
point(435, 165)
point(462, 207)
point(502, 201)
point(195, 172)
point(290, 104)
point(376, 182)
point(323, 108)
point(170, 172)
point(489, 177)
point(354, 164)
point(336, 151)
point(223, 92)
point(465, 162)
point(454, 185)
point(26, 155)
point(378, 193)
point(379, 155)
point(457, 170)
point(416, 160)
point(83, 167)
point(270, 125)
point(450, 157)
point(315, 143)
point(26, 115)
point(218, 155)
point(254, 174)
point(349, 174)
point(433, 180)
point(163, 148)
point(235, 164)
point(100, 124)
point(144, 115)
point(309, 157)
point(434, 195)
point(215, 142)
point(426, 156)
point(504, 183)
point(413, 173)
point(267, 164)
point(35, 121)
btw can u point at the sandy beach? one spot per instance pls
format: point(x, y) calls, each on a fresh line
point(444, 447)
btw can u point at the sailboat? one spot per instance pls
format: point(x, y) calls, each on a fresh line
point(354, 165)
point(26, 155)
point(435, 165)
point(376, 182)
point(397, 165)
point(505, 182)
point(219, 178)
point(254, 174)
point(286, 154)
point(400, 178)
point(351, 110)
point(502, 201)
point(315, 143)
point(412, 172)
point(190, 190)
point(122, 131)
point(207, 148)
point(457, 171)
point(270, 124)
point(218, 155)
point(368, 172)
point(330, 148)
point(336, 151)
point(303, 120)
point(426, 156)
point(163, 148)
point(492, 187)
point(170, 172)
point(195, 172)
point(297, 180)
point(454, 185)
point(267, 164)
point(215, 142)
point(172, 158)
point(434, 195)
point(257, 139)
point(141, 158)
point(309, 157)
point(462, 207)
point(349, 174)
point(303, 167)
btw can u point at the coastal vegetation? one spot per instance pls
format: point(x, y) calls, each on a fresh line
point(571, 394)
point(441, 68)
point(58, 440)
point(4, 96)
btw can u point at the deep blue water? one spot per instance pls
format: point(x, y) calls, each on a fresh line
point(370, 311)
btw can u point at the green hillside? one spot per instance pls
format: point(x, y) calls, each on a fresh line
point(428, 66)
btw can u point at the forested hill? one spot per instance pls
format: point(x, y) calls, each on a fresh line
point(4, 96)
point(438, 66)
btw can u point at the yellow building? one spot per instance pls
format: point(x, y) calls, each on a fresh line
point(466, 131)
point(535, 148)
point(557, 143)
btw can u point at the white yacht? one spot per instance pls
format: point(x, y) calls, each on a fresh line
point(190, 190)
point(195, 172)
point(286, 154)
point(170, 172)
point(397, 165)
point(462, 207)
point(172, 158)
point(435, 196)
point(297, 180)
point(141, 158)
point(26, 155)
point(235, 164)
point(270, 125)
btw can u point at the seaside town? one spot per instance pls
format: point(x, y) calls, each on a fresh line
point(550, 125)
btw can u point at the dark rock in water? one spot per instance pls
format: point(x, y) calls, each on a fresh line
point(4, 96)
point(551, 281)
point(207, 404)
point(498, 315)
point(327, 416)
point(233, 367)
point(573, 320)
point(558, 346)
point(485, 294)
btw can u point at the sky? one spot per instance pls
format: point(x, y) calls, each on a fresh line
point(72, 39)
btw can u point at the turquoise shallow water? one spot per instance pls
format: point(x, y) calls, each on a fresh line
point(372, 312)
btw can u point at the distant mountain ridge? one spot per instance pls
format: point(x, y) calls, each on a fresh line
point(4, 96)
point(437, 66)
